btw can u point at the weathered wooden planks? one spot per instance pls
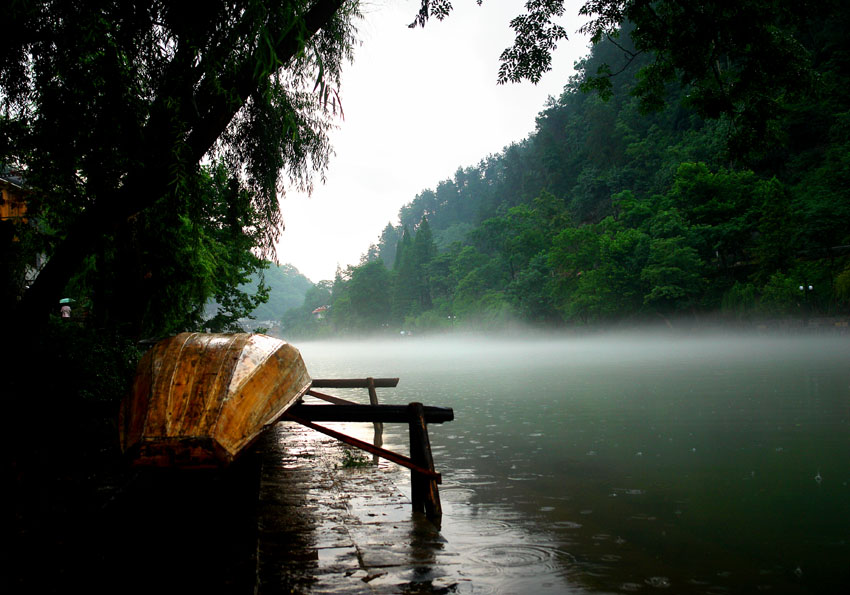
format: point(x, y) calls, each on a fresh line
point(199, 399)
point(354, 382)
point(369, 413)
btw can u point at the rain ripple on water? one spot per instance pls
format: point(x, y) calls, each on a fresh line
point(520, 559)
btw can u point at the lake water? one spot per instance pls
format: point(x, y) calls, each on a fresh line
point(631, 463)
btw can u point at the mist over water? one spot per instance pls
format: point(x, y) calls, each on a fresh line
point(631, 462)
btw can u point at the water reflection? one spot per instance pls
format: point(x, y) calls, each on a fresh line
point(629, 463)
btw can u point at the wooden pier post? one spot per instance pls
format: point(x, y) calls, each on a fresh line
point(424, 479)
point(425, 495)
point(378, 436)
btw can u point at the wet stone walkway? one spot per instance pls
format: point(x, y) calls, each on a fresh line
point(323, 528)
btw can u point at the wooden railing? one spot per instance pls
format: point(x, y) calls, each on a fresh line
point(424, 478)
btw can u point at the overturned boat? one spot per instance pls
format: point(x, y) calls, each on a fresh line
point(198, 399)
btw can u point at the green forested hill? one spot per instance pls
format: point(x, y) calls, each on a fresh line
point(287, 288)
point(611, 210)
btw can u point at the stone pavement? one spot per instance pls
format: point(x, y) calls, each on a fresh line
point(327, 529)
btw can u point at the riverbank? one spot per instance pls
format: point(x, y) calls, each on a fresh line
point(286, 518)
point(323, 528)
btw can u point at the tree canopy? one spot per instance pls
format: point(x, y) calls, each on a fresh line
point(111, 108)
point(128, 118)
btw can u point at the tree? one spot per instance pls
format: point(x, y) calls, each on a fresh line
point(110, 107)
point(387, 245)
point(411, 283)
point(404, 290)
point(300, 321)
point(403, 247)
point(741, 60)
point(168, 265)
point(672, 273)
point(721, 208)
point(287, 289)
point(422, 253)
point(369, 292)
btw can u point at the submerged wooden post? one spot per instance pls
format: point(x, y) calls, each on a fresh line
point(425, 495)
point(378, 439)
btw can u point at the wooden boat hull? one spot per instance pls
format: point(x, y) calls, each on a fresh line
point(198, 399)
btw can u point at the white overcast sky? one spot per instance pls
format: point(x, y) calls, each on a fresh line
point(419, 103)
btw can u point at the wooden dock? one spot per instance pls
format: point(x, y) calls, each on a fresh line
point(424, 479)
